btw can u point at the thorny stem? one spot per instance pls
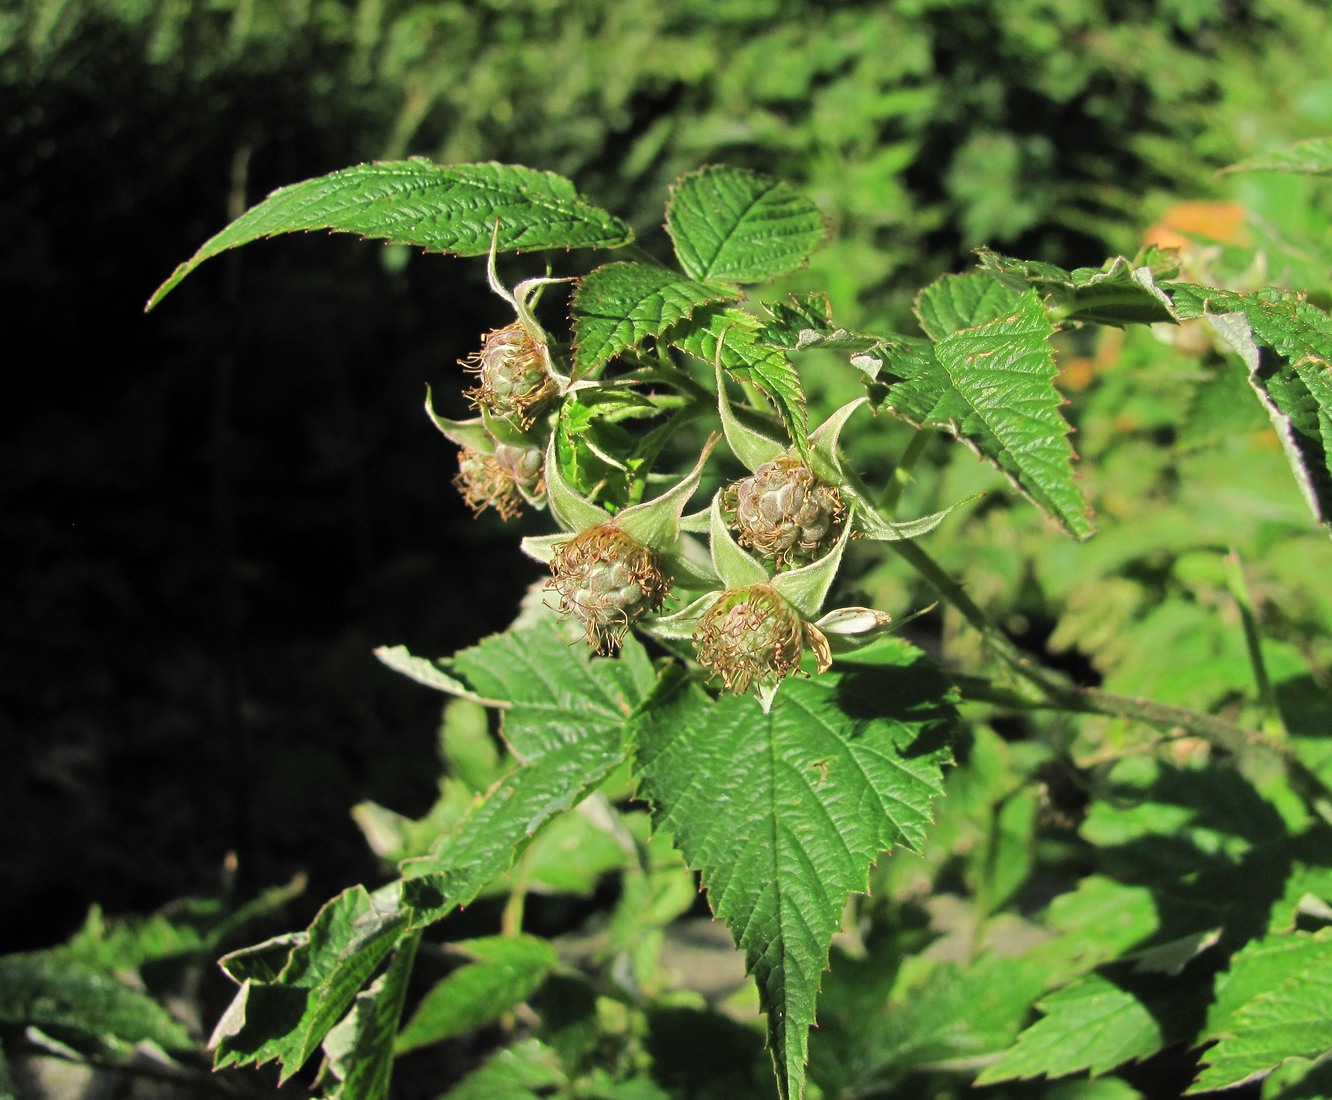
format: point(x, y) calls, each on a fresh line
point(1057, 692)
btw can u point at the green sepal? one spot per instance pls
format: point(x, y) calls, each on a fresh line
point(735, 567)
point(807, 587)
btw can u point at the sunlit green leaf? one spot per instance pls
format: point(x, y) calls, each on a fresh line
point(620, 305)
point(784, 811)
point(731, 224)
point(456, 208)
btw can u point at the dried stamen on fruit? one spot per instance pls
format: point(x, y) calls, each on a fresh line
point(750, 635)
point(607, 579)
point(485, 482)
point(785, 512)
point(514, 377)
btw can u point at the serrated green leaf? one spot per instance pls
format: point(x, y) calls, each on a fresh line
point(1274, 1006)
point(1311, 157)
point(454, 208)
point(992, 386)
point(1297, 391)
point(1098, 1023)
point(728, 223)
point(82, 1005)
point(565, 715)
point(783, 812)
point(957, 302)
point(295, 988)
point(746, 359)
point(506, 971)
point(360, 1048)
point(620, 305)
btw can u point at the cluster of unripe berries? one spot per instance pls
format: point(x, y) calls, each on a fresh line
point(784, 514)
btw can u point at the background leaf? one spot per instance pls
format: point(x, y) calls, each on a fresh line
point(294, 989)
point(1297, 390)
point(1100, 1022)
point(441, 208)
point(1274, 1006)
point(82, 1006)
point(728, 223)
point(505, 971)
point(1312, 157)
point(784, 812)
point(620, 305)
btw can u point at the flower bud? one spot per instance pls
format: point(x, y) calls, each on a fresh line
point(784, 512)
point(606, 579)
point(750, 635)
point(514, 378)
point(485, 482)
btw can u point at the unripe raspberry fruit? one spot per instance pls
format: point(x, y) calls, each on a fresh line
point(750, 635)
point(606, 580)
point(784, 512)
point(514, 378)
point(524, 464)
point(484, 483)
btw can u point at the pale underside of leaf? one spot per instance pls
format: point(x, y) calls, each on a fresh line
point(1296, 391)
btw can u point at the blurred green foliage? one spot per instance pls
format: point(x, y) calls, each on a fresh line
point(923, 127)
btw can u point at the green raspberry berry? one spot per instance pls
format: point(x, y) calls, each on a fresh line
point(750, 635)
point(606, 579)
point(785, 513)
point(515, 379)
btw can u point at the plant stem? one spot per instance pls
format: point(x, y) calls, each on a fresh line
point(902, 475)
point(1058, 692)
point(1272, 724)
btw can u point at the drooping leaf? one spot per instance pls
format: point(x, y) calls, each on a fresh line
point(1100, 1022)
point(620, 305)
point(296, 987)
point(992, 386)
point(783, 812)
point(805, 323)
point(505, 971)
point(1274, 1006)
point(564, 716)
point(1122, 292)
point(728, 223)
point(359, 1050)
point(1297, 389)
point(83, 1006)
point(454, 208)
point(1311, 157)
point(746, 359)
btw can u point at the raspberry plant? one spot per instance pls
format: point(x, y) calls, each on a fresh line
point(782, 746)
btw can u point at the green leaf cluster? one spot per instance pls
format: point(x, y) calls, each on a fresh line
point(1086, 900)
